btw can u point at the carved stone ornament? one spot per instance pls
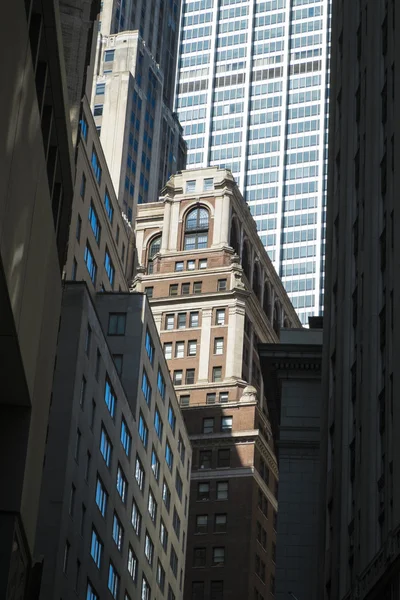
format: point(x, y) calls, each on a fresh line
point(249, 394)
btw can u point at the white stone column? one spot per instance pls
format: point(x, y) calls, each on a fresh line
point(157, 320)
point(174, 224)
point(221, 221)
point(205, 339)
point(234, 342)
point(166, 225)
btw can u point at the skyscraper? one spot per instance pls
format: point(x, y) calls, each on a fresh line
point(252, 96)
point(133, 95)
point(215, 296)
point(360, 508)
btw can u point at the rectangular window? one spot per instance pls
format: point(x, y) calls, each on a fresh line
point(169, 457)
point(169, 321)
point(180, 350)
point(149, 347)
point(218, 556)
point(194, 319)
point(72, 500)
point(220, 316)
point(116, 324)
point(223, 397)
point(90, 263)
point(109, 267)
point(217, 590)
point(217, 374)
point(117, 532)
point(113, 581)
point(191, 265)
point(146, 388)
point(83, 186)
point(146, 590)
point(74, 269)
point(176, 523)
point(105, 447)
point(166, 495)
point(152, 506)
point(109, 397)
point(155, 464)
point(205, 459)
point(184, 400)
point(218, 345)
point(91, 594)
point(222, 490)
point(190, 373)
point(143, 430)
point(98, 110)
point(108, 206)
point(83, 392)
point(100, 89)
point(197, 287)
point(201, 523)
point(181, 320)
point(203, 263)
point(84, 127)
point(163, 536)
point(88, 463)
point(132, 565)
point(160, 577)
point(203, 491)
point(96, 166)
point(199, 557)
point(224, 457)
point(181, 448)
point(178, 485)
point(185, 289)
point(221, 286)
point(192, 347)
point(96, 548)
point(173, 289)
point(208, 184)
point(179, 266)
point(139, 474)
point(158, 424)
point(126, 438)
point(148, 548)
point(149, 291)
point(171, 418)
point(101, 497)
point(210, 398)
point(190, 186)
point(171, 595)
point(109, 55)
point(88, 340)
point(98, 362)
point(173, 561)
point(161, 384)
point(220, 523)
point(168, 350)
point(226, 423)
point(178, 375)
point(136, 519)
point(208, 425)
point(122, 484)
point(78, 228)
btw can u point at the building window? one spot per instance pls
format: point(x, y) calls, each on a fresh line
point(171, 418)
point(205, 459)
point(90, 263)
point(132, 564)
point(168, 350)
point(224, 457)
point(154, 248)
point(218, 556)
point(109, 398)
point(139, 474)
point(109, 55)
point(181, 449)
point(220, 316)
point(222, 490)
point(117, 532)
point(136, 519)
point(148, 548)
point(226, 423)
point(83, 186)
point(74, 269)
point(203, 491)
point(190, 376)
point(149, 347)
point(184, 400)
point(220, 523)
point(217, 374)
point(155, 464)
point(169, 457)
point(176, 523)
point(146, 590)
point(149, 291)
point(178, 377)
point(221, 286)
point(169, 321)
point(66, 557)
point(78, 228)
point(96, 548)
point(105, 447)
point(160, 577)
point(171, 595)
point(208, 425)
point(208, 184)
point(96, 166)
point(180, 350)
point(91, 594)
point(196, 229)
point(203, 263)
point(126, 438)
point(146, 388)
point(83, 392)
point(100, 89)
point(217, 590)
point(98, 110)
point(173, 561)
point(143, 431)
point(179, 266)
point(192, 348)
point(199, 557)
point(116, 324)
point(101, 497)
point(191, 265)
point(152, 506)
point(210, 398)
point(197, 287)
point(178, 485)
point(113, 581)
point(181, 320)
point(166, 495)
point(109, 267)
point(163, 535)
point(218, 345)
point(201, 523)
point(161, 384)
point(158, 424)
point(173, 289)
point(223, 397)
point(122, 484)
point(194, 319)
point(84, 127)
point(190, 186)
point(185, 289)
point(118, 361)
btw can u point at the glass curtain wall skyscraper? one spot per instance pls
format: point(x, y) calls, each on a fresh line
point(252, 96)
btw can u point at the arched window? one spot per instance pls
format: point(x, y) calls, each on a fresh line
point(267, 299)
point(256, 280)
point(196, 229)
point(234, 237)
point(277, 318)
point(154, 247)
point(246, 260)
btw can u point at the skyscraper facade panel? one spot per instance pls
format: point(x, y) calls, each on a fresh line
point(252, 96)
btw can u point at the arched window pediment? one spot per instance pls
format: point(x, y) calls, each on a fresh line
point(154, 248)
point(196, 229)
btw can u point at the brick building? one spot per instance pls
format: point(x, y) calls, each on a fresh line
point(215, 295)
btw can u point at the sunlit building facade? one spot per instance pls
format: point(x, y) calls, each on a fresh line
point(252, 96)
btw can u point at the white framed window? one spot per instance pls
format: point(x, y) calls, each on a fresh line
point(191, 186)
point(220, 316)
point(192, 347)
point(168, 350)
point(169, 321)
point(218, 345)
point(203, 263)
point(191, 265)
point(180, 350)
point(208, 184)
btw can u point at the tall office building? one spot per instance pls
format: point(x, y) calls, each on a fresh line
point(132, 97)
point(214, 295)
point(252, 96)
point(360, 510)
